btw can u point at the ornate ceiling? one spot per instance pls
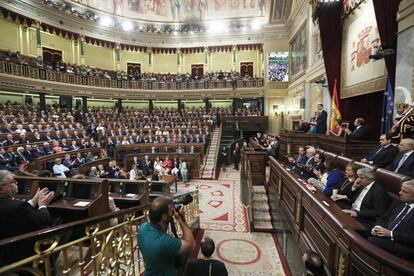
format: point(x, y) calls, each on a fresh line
point(189, 11)
point(163, 22)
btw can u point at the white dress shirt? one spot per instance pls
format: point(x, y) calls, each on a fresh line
point(60, 169)
point(356, 206)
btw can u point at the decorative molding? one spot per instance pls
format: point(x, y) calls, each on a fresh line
point(405, 15)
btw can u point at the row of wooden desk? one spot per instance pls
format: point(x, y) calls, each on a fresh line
point(80, 198)
point(318, 223)
point(290, 141)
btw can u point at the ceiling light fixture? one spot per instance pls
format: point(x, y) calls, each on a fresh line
point(127, 26)
point(256, 24)
point(106, 21)
point(215, 26)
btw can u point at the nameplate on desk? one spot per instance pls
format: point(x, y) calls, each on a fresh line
point(130, 195)
point(326, 203)
point(81, 204)
point(287, 169)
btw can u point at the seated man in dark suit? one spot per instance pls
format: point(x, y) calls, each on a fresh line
point(404, 161)
point(206, 265)
point(369, 199)
point(360, 132)
point(299, 160)
point(383, 154)
point(20, 217)
point(146, 166)
point(393, 231)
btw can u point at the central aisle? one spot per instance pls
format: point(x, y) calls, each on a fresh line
point(224, 219)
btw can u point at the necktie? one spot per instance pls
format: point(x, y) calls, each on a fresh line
point(375, 154)
point(402, 160)
point(399, 218)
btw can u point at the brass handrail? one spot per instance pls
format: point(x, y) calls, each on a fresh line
point(105, 250)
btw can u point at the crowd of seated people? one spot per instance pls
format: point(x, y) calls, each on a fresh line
point(358, 193)
point(62, 67)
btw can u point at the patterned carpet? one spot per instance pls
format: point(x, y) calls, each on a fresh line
point(225, 220)
point(220, 207)
point(250, 254)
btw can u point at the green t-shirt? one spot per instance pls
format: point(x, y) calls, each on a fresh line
point(158, 249)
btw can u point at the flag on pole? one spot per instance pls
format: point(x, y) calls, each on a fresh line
point(335, 113)
point(387, 109)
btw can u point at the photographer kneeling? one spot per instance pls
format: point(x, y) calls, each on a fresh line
point(158, 248)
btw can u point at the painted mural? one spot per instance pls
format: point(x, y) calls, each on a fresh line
point(179, 10)
point(277, 67)
point(298, 54)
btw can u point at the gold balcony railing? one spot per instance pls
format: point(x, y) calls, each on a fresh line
point(54, 76)
point(102, 249)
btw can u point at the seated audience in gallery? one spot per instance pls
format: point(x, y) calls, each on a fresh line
point(337, 130)
point(325, 182)
point(393, 231)
point(360, 131)
point(342, 192)
point(369, 199)
point(404, 161)
point(383, 154)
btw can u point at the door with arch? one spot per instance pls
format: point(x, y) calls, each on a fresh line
point(51, 56)
point(246, 69)
point(134, 68)
point(197, 71)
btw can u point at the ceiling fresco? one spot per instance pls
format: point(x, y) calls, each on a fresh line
point(179, 10)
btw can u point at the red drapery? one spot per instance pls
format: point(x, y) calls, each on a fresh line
point(386, 15)
point(368, 106)
point(330, 26)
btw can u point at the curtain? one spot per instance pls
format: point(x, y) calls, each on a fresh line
point(386, 15)
point(330, 26)
point(368, 106)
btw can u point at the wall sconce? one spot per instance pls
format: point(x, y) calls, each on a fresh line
point(278, 110)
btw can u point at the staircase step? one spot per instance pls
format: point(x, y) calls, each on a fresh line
point(259, 189)
point(263, 225)
point(260, 197)
point(261, 207)
point(261, 216)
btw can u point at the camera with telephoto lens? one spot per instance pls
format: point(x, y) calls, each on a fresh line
point(182, 201)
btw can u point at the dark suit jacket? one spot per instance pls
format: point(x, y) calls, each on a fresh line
point(200, 267)
point(361, 133)
point(407, 167)
point(384, 157)
point(4, 163)
point(321, 122)
point(374, 204)
point(29, 156)
point(403, 233)
point(16, 218)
